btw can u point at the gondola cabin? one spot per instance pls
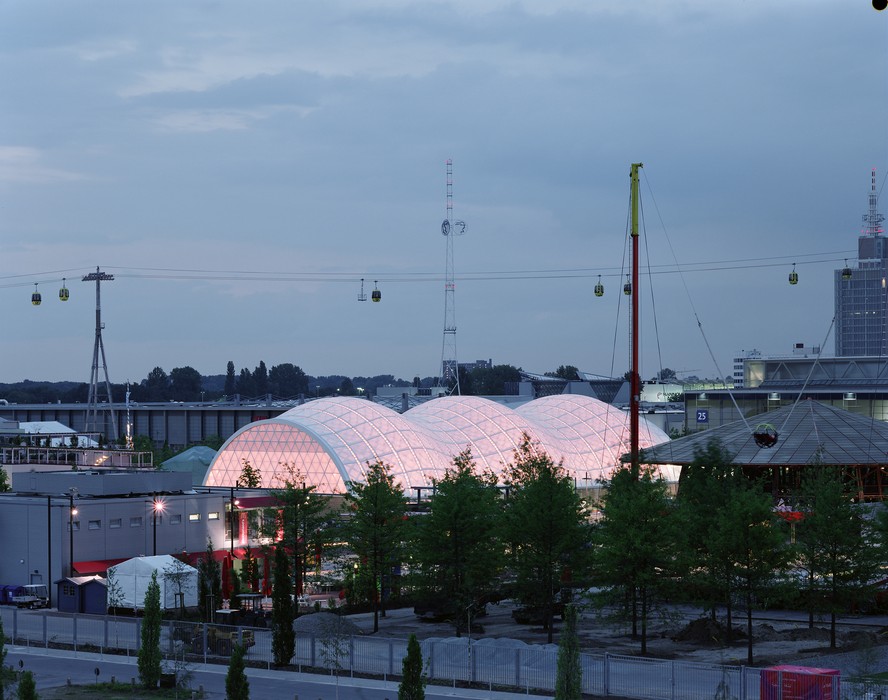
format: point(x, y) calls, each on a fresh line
point(35, 297)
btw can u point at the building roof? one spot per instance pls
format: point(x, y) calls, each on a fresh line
point(808, 432)
point(195, 461)
point(331, 441)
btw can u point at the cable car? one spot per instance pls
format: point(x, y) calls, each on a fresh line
point(599, 288)
point(35, 297)
point(63, 292)
point(765, 435)
point(362, 296)
point(627, 288)
point(793, 276)
point(846, 271)
point(375, 295)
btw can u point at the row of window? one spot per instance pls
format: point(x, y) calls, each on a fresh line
point(137, 521)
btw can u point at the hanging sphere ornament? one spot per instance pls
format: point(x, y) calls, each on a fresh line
point(765, 435)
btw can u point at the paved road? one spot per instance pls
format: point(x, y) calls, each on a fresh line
point(54, 667)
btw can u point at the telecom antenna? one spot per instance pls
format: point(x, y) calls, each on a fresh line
point(873, 219)
point(450, 229)
point(92, 423)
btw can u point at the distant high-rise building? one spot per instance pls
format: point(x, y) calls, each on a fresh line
point(861, 292)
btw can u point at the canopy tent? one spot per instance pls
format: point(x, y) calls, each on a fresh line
point(131, 578)
point(195, 460)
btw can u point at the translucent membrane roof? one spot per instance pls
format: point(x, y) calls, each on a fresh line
point(331, 441)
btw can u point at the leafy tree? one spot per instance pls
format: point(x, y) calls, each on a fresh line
point(347, 387)
point(302, 516)
point(746, 536)
point(704, 491)
point(4, 481)
point(287, 380)
point(249, 573)
point(458, 547)
point(185, 384)
point(568, 372)
point(250, 477)
point(283, 638)
point(27, 687)
point(230, 380)
point(3, 667)
point(149, 651)
point(834, 543)
point(260, 379)
point(492, 381)
point(569, 674)
point(156, 386)
point(545, 526)
point(209, 583)
point(246, 386)
point(636, 543)
point(412, 686)
point(375, 528)
point(237, 686)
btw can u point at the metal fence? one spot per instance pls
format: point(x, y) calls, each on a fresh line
point(486, 663)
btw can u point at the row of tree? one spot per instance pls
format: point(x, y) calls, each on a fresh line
point(719, 543)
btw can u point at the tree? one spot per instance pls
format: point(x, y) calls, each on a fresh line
point(636, 543)
point(245, 384)
point(283, 638)
point(302, 516)
point(745, 535)
point(375, 528)
point(412, 686)
point(149, 651)
point(569, 674)
point(545, 526)
point(209, 583)
point(237, 686)
point(287, 380)
point(185, 384)
point(4, 481)
point(27, 687)
point(3, 667)
point(156, 386)
point(458, 544)
point(179, 576)
point(230, 380)
point(834, 543)
point(568, 372)
point(492, 381)
point(250, 477)
point(347, 387)
point(260, 379)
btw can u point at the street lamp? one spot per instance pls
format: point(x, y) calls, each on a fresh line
point(157, 507)
point(72, 511)
point(232, 504)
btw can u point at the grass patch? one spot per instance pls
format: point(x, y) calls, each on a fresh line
point(110, 691)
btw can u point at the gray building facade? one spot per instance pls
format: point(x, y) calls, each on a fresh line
point(861, 292)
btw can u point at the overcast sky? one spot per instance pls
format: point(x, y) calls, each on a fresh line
point(239, 167)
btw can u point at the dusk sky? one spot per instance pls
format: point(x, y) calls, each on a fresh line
point(240, 167)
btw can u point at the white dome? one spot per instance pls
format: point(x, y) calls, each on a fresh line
point(331, 441)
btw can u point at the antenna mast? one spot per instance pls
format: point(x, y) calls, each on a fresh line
point(450, 228)
point(92, 409)
point(873, 219)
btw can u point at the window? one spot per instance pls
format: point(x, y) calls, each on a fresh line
point(213, 516)
point(194, 517)
point(176, 519)
point(114, 523)
point(68, 589)
point(76, 526)
point(95, 524)
point(136, 522)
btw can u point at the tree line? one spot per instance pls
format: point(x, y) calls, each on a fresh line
point(719, 543)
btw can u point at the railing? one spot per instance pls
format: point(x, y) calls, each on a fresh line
point(458, 663)
point(76, 457)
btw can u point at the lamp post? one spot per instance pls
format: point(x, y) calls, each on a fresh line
point(232, 503)
point(157, 507)
point(72, 511)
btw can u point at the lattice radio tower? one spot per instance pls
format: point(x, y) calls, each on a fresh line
point(450, 229)
point(92, 424)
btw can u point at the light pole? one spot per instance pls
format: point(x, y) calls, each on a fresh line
point(157, 507)
point(232, 504)
point(72, 511)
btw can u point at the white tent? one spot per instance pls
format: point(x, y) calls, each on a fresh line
point(132, 577)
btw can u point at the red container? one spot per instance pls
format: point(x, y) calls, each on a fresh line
point(786, 682)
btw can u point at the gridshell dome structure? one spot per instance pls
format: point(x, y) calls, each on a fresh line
point(331, 441)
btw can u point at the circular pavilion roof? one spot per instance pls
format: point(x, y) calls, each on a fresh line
point(331, 441)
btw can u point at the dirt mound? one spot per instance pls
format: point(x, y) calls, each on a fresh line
point(705, 632)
